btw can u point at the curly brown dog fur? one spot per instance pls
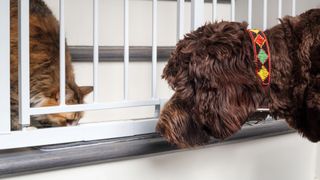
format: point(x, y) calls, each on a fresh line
point(212, 72)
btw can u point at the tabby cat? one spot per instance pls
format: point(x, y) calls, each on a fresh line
point(44, 68)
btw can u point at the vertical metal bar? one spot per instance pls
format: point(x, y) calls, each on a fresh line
point(249, 14)
point(154, 49)
point(180, 19)
point(214, 10)
point(317, 160)
point(279, 9)
point(233, 10)
point(126, 48)
point(293, 7)
point(62, 55)
point(265, 8)
point(197, 13)
point(5, 65)
point(24, 64)
point(95, 48)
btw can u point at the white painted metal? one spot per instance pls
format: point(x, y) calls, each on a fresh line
point(82, 132)
point(233, 10)
point(214, 10)
point(180, 19)
point(154, 49)
point(293, 7)
point(126, 49)
point(197, 13)
point(249, 14)
point(90, 107)
point(93, 131)
point(95, 49)
point(317, 161)
point(265, 13)
point(263, 109)
point(24, 63)
point(5, 66)
point(62, 55)
point(279, 9)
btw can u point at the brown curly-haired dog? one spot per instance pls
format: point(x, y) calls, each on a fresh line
point(212, 72)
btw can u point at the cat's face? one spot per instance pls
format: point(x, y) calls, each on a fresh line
point(74, 95)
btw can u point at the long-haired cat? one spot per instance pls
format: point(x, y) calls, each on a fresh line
point(44, 68)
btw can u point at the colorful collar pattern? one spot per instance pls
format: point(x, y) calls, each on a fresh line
point(261, 53)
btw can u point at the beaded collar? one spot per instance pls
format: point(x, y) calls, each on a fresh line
point(262, 57)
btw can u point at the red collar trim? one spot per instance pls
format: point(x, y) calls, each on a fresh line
point(262, 56)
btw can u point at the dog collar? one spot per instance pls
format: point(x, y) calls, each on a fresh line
point(261, 53)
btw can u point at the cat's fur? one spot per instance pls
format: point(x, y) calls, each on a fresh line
point(44, 68)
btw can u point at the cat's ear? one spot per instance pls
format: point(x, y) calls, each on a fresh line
point(85, 90)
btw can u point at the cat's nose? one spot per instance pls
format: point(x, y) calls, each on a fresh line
point(71, 122)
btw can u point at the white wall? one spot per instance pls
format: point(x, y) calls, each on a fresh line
point(78, 21)
point(287, 157)
point(111, 88)
point(317, 159)
point(272, 10)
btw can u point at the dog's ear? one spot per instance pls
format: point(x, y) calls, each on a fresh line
point(176, 70)
point(212, 68)
point(177, 125)
point(226, 88)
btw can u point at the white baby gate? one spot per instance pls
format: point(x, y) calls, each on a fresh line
point(92, 131)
